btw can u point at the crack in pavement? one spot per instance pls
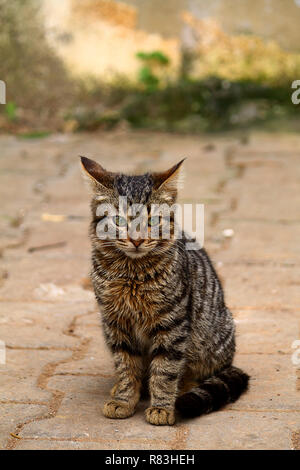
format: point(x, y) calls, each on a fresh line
point(38, 348)
point(48, 371)
point(296, 440)
point(233, 170)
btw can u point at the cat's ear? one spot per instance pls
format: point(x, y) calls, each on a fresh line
point(98, 178)
point(168, 182)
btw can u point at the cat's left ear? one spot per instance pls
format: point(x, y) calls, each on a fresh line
point(99, 179)
point(168, 182)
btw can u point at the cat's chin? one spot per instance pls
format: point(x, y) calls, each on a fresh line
point(136, 254)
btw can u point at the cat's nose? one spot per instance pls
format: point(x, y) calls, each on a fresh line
point(137, 243)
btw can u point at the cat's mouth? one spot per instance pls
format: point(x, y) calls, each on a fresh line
point(134, 250)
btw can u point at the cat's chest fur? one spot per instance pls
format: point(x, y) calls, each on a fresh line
point(134, 297)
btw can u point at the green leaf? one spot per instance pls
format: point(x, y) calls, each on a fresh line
point(154, 56)
point(11, 110)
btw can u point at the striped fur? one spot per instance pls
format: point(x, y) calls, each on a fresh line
point(163, 312)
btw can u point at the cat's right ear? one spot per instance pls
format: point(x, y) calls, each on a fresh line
point(96, 176)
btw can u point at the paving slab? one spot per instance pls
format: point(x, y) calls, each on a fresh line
point(115, 445)
point(40, 325)
point(273, 383)
point(272, 286)
point(20, 377)
point(12, 414)
point(243, 431)
point(263, 332)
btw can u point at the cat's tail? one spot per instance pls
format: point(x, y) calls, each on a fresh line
point(213, 393)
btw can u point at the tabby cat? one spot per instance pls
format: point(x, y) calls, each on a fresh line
point(163, 311)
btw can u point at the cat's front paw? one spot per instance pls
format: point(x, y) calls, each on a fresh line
point(117, 410)
point(160, 416)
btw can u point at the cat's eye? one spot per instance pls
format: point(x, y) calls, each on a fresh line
point(119, 221)
point(154, 221)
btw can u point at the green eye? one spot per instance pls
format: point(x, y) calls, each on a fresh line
point(154, 221)
point(119, 221)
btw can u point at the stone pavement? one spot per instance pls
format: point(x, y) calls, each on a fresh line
point(58, 372)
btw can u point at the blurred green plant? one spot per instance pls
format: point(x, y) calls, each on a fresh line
point(207, 105)
point(150, 74)
point(157, 57)
point(210, 104)
point(148, 79)
point(11, 110)
point(34, 135)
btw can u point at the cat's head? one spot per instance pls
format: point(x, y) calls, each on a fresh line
point(127, 210)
